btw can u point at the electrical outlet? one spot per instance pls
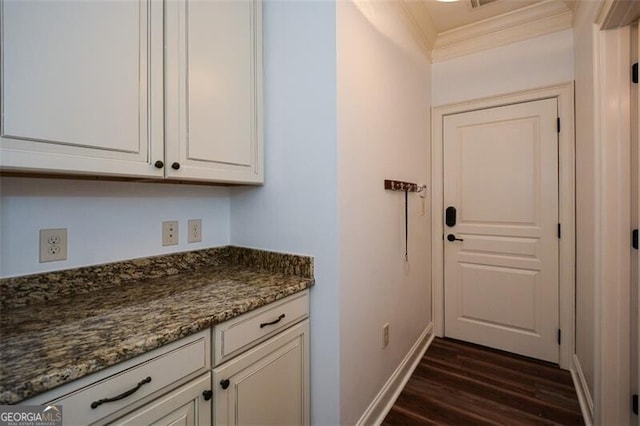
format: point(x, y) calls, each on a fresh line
point(170, 233)
point(195, 230)
point(53, 245)
point(385, 335)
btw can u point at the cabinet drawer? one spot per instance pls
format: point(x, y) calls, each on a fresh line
point(87, 404)
point(239, 334)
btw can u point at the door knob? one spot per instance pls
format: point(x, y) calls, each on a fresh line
point(452, 237)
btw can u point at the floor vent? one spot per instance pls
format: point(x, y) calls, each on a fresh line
point(477, 3)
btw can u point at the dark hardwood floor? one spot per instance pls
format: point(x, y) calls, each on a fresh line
point(458, 383)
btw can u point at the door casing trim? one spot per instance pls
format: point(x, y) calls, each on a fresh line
point(566, 203)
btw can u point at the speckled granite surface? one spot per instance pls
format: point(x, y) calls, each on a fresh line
point(28, 289)
point(54, 330)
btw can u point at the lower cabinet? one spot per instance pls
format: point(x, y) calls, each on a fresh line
point(163, 381)
point(266, 385)
point(189, 405)
point(258, 374)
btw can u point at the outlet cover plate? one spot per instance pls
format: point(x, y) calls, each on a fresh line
point(170, 233)
point(53, 245)
point(194, 227)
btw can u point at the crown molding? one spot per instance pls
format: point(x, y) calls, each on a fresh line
point(618, 13)
point(584, 11)
point(420, 22)
point(532, 21)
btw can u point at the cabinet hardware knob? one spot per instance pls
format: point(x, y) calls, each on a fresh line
point(208, 394)
point(96, 404)
point(275, 321)
point(159, 164)
point(225, 383)
point(175, 166)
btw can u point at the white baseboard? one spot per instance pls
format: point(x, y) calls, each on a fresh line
point(582, 390)
point(384, 400)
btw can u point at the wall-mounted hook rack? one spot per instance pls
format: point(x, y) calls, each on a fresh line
point(398, 185)
point(406, 187)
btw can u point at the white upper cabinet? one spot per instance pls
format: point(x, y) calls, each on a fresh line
point(214, 90)
point(80, 93)
point(84, 86)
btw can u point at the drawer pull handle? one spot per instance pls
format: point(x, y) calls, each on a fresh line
point(224, 383)
point(96, 404)
point(275, 321)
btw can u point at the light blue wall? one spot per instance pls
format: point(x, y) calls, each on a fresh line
point(106, 221)
point(296, 210)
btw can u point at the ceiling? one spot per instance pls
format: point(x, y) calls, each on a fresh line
point(456, 28)
point(447, 16)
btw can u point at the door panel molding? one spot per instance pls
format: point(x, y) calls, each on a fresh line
point(563, 93)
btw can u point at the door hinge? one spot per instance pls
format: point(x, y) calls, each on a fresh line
point(558, 124)
point(634, 73)
point(559, 336)
point(634, 239)
point(559, 231)
point(634, 403)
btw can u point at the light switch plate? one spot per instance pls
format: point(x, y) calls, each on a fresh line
point(170, 233)
point(194, 227)
point(385, 335)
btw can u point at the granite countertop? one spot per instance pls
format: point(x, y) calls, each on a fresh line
point(58, 327)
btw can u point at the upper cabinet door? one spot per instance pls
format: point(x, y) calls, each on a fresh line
point(214, 90)
point(78, 92)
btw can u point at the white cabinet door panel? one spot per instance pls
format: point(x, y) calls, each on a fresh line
point(220, 100)
point(267, 385)
point(77, 92)
point(214, 90)
point(184, 406)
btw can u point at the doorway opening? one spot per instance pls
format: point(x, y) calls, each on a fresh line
point(562, 96)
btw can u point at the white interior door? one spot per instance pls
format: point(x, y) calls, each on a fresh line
point(501, 273)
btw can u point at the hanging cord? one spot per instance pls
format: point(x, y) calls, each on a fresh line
point(396, 185)
point(406, 226)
